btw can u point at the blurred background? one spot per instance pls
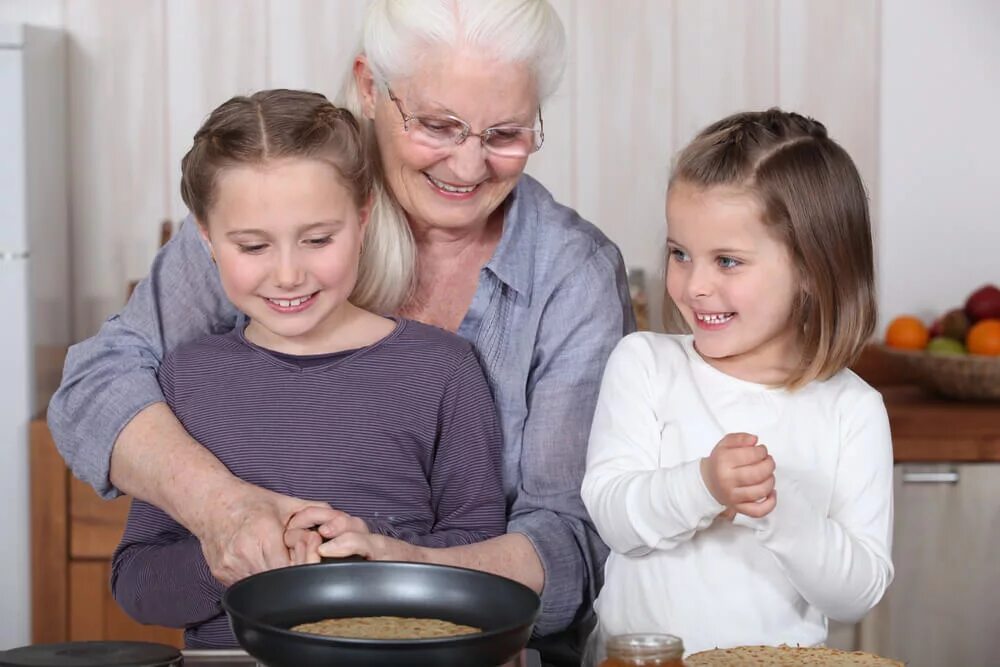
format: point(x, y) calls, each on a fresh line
point(909, 87)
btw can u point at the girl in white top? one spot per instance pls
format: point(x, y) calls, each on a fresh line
point(742, 475)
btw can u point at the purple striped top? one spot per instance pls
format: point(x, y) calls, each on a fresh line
point(402, 433)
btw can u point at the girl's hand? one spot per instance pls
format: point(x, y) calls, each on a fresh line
point(303, 546)
point(308, 528)
point(739, 474)
point(328, 522)
point(370, 546)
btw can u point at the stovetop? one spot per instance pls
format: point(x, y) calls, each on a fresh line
point(237, 658)
point(108, 653)
point(205, 658)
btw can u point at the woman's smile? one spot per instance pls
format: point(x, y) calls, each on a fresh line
point(451, 191)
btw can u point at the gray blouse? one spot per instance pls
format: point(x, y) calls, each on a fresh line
point(550, 306)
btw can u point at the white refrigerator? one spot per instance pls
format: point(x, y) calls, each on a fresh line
point(34, 284)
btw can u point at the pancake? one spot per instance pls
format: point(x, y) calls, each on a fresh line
point(782, 656)
point(385, 627)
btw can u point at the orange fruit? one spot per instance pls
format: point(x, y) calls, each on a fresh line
point(984, 338)
point(907, 333)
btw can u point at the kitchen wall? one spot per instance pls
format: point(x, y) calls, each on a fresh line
point(939, 146)
point(643, 76)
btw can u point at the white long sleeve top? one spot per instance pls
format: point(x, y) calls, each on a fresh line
point(676, 566)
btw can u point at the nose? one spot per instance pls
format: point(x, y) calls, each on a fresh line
point(468, 160)
point(701, 281)
point(288, 272)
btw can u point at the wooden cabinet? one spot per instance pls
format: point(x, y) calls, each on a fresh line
point(941, 608)
point(74, 533)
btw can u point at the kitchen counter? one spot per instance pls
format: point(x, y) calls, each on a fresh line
point(929, 429)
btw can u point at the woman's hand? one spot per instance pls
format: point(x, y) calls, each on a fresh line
point(739, 474)
point(243, 533)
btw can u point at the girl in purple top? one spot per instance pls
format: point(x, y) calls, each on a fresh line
point(388, 424)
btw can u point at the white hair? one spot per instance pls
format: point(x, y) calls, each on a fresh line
point(394, 34)
point(516, 31)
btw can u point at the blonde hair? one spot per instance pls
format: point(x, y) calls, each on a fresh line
point(276, 124)
point(394, 32)
point(813, 200)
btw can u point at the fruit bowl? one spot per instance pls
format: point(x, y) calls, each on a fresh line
point(968, 377)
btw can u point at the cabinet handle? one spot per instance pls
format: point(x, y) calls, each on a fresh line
point(945, 477)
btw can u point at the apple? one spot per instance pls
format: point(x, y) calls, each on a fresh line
point(983, 304)
point(955, 324)
point(945, 345)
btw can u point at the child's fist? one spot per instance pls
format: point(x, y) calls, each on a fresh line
point(739, 474)
point(309, 527)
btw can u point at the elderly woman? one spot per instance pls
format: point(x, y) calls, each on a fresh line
point(451, 93)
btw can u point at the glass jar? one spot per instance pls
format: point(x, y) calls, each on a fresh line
point(644, 650)
point(640, 304)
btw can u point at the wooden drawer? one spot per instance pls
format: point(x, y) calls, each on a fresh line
point(74, 534)
point(94, 614)
point(95, 525)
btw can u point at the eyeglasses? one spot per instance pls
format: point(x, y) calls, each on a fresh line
point(446, 131)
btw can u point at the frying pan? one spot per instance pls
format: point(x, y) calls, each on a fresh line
point(262, 607)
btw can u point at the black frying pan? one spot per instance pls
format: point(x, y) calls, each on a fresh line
point(262, 607)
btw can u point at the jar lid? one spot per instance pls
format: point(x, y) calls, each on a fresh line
point(645, 645)
point(92, 654)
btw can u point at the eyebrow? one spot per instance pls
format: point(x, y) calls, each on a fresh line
point(334, 223)
point(450, 112)
point(716, 251)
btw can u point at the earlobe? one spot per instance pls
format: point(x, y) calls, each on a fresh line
point(366, 86)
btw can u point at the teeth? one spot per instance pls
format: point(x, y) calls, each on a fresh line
point(290, 303)
point(450, 188)
point(715, 318)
